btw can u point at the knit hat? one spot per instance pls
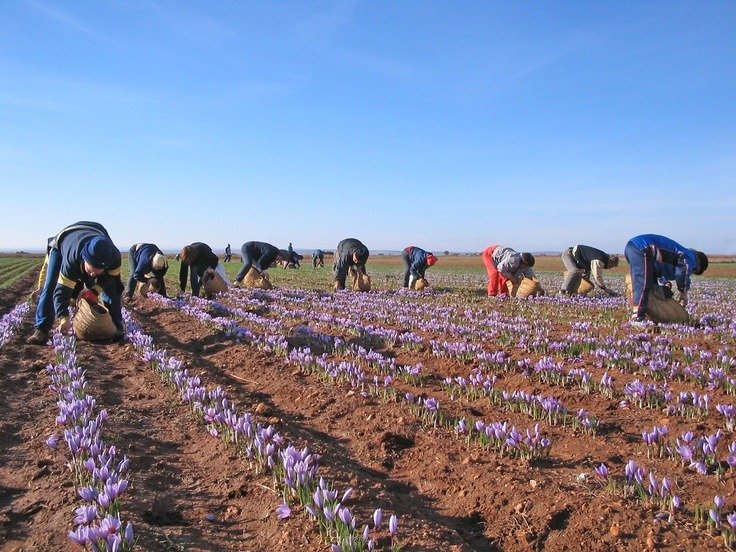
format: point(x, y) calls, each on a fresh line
point(98, 252)
point(702, 261)
point(431, 259)
point(159, 261)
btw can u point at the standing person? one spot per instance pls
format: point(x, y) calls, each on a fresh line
point(504, 264)
point(416, 260)
point(318, 258)
point(259, 255)
point(145, 259)
point(81, 255)
point(586, 262)
point(350, 252)
point(653, 257)
point(228, 254)
point(195, 259)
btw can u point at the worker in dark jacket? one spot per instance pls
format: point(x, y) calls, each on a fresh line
point(318, 258)
point(259, 255)
point(228, 254)
point(416, 261)
point(81, 255)
point(146, 260)
point(195, 259)
point(584, 261)
point(349, 253)
point(655, 260)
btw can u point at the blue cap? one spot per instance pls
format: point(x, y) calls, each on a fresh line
point(99, 252)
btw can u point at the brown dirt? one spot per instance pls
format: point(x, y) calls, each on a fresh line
point(448, 496)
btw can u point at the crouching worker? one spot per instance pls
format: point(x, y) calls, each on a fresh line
point(195, 258)
point(259, 255)
point(655, 260)
point(503, 265)
point(583, 262)
point(416, 261)
point(81, 255)
point(350, 254)
point(147, 266)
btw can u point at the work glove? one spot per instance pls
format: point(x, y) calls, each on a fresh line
point(64, 324)
point(264, 274)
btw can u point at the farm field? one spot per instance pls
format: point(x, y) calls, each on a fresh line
point(481, 424)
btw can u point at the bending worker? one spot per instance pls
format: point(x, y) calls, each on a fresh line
point(504, 264)
point(318, 258)
point(349, 253)
point(81, 255)
point(195, 259)
point(416, 260)
point(652, 258)
point(586, 262)
point(259, 255)
point(146, 260)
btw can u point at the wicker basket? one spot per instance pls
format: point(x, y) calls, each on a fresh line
point(527, 287)
point(92, 322)
point(420, 283)
point(585, 286)
point(212, 283)
point(362, 282)
point(254, 279)
point(659, 308)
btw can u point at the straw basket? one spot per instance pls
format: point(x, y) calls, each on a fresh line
point(585, 286)
point(212, 283)
point(660, 308)
point(526, 288)
point(362, 282)
point(419, 284)
point(254, 279)
point(92, 322)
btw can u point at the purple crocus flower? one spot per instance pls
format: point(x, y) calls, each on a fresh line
point(377, 515)
point(283, 511)
point(393, 524)
point(53, 441)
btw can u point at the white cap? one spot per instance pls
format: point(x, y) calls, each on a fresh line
point(158, 262)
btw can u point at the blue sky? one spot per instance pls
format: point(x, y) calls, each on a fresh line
point(448, 125)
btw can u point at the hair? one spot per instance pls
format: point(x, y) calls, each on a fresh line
point(612, 260)
point(184, 253)
point(527, 259)
point(702, 259)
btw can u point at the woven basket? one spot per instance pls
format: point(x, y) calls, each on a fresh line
point(585, 287)
point(526, 288)
point(420, 283)
point(362, 282)
point(212, 283)
point(254, 279)
point(92, 322)
point(659, 308)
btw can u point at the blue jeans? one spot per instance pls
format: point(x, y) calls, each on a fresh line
point(643, 276)
point(45, 309)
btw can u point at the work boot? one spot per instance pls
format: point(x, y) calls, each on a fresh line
point(39, 337)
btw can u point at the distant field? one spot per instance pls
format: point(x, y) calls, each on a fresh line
point(12, 268)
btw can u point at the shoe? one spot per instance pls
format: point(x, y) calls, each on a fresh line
point(39, 337)
point(638, 322)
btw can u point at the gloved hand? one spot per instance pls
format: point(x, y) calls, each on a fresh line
point(89, 296)
point(35, 294)
point(335, 286)
point(683, 298)
point(64, 324)
point(264, 274)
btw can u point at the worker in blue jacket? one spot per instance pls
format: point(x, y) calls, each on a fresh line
point(416, 260)
point(146, 260)
point(350, 252)
point(81, 255)
point(195, 259)
point(655, 259)
point(259, 255)
point(318, 258)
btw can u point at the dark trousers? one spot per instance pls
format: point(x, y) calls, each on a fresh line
point(247, 263)
point(643, 276)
